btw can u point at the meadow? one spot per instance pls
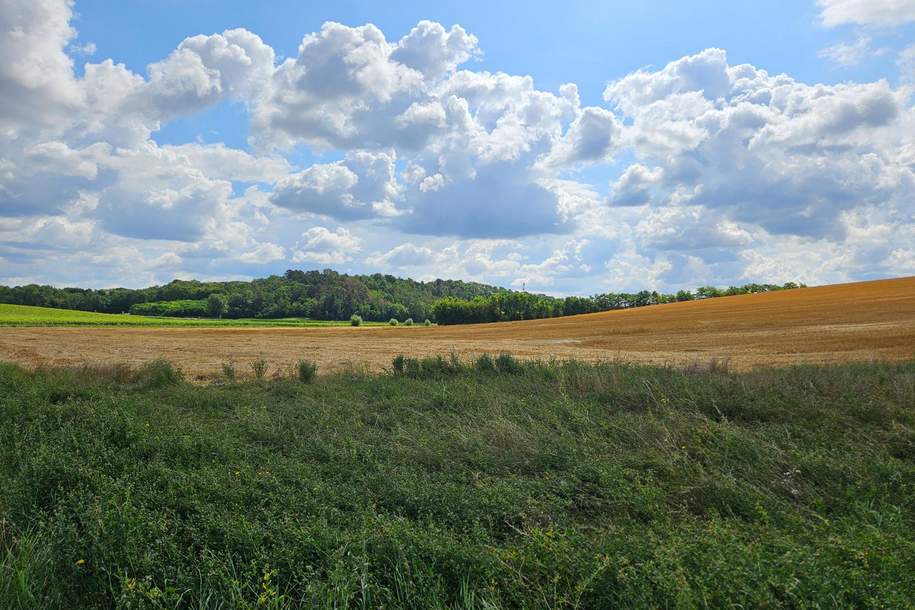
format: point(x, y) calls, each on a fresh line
point(25, 315)
point(439, 483)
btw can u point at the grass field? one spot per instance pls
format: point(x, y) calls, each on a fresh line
point(498, 485)
point(24, 315)
point(845, 323)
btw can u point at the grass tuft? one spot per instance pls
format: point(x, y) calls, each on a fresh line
point(259, 367)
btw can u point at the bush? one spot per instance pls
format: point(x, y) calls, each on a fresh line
point(355, 320)
point(408, 322)
point(184, 308)
point(307, 370)
point(428, 322)
point(399, 364)
point(393, 322)
point(259, 367)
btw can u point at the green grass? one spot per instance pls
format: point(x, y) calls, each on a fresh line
point(25, 315)
point(446, 485)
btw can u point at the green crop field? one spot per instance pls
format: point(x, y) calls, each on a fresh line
point(24, 315)
point(440, 484)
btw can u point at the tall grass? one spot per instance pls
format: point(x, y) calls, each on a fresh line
point(443, 483)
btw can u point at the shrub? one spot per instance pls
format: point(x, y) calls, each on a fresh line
point(408, 322)
point(228, 370)
point(307, 370)
point(428, 322)
point(259, 367)
point(355, 320)
point(393, 322)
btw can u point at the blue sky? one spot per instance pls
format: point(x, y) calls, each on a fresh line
point(699, 144)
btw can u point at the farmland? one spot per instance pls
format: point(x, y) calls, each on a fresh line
point(830, 324)
point(23, 315)
point(771, 466)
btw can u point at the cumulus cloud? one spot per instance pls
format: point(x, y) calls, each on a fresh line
point(361, 186)
point(325, 247)
point(707, 168)
point(768, 150)
point(433, 50)
point(37, 86)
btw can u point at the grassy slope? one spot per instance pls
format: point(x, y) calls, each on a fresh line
point(537, 486)
point(24, 315)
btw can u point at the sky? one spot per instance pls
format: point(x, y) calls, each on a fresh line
point(569, 148)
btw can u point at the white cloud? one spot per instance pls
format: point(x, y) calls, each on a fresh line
point(404, 255)
point(37, 86)
point(361, 186)
point(906, 62)
point(435, 51)
point(761, 149)
point(264, 253)
point(325, 247)
point(707, 169)
point(867, 12)
point(851, 54)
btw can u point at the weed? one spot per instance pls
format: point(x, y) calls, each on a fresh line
point(259, 367)
point(399, 364)
point(491, 483)
point(228, 370)
point(506, 363)
point(306, 370)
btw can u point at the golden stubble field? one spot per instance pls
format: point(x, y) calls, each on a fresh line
point(848, 322)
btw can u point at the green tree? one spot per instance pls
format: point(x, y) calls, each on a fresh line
point(217, 304)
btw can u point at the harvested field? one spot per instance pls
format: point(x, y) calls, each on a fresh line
point(841, 323)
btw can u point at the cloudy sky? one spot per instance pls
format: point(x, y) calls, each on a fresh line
point(593, 147)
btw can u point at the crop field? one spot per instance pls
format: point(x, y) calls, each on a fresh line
point(24, 315)
point(864, 321)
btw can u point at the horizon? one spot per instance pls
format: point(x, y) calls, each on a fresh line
point(589, 150)
point(399, 277)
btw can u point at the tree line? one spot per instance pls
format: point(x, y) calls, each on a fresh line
point(321, 295)
point(510, 306)
point(329, 295)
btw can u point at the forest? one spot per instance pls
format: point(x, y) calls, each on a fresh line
point(329, 295)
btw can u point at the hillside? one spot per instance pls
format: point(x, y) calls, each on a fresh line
point(328, 295)
point(843, 323)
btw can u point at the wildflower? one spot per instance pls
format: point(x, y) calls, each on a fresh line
point(80, 562)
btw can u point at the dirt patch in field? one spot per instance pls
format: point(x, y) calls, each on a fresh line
point(848, 322)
